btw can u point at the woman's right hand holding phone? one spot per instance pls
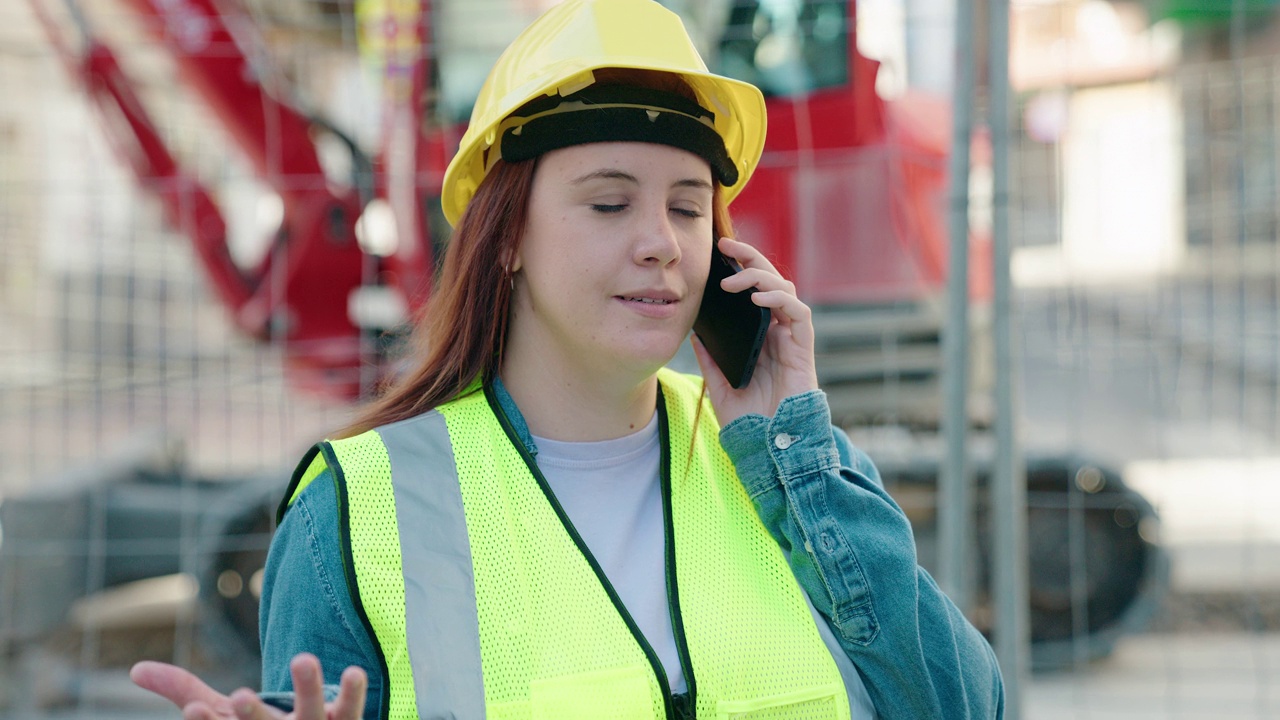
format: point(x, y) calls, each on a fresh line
point(786, 365)
point(198, 701)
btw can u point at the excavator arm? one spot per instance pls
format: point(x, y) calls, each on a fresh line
point(298, 294)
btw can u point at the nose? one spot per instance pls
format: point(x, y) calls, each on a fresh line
point(657, 242)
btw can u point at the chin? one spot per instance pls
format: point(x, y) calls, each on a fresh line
point(651, 356)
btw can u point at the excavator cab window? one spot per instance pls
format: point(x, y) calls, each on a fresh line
point(786, 48)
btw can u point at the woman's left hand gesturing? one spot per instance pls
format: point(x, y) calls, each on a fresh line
point(786, 366)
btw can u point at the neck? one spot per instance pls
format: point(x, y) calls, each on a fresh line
point(561, 404)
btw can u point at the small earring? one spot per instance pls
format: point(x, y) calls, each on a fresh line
point(511, 278)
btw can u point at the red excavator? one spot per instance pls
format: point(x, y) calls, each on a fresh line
point(848, 196)
point(849, 200)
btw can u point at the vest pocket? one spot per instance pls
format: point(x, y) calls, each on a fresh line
point(816, 703)
point(614, 694)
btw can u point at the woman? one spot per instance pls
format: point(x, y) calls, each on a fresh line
point(542, 522)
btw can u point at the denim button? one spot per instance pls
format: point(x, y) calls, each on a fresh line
point(782, 441)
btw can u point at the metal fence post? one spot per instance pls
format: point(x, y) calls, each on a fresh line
point(1008, 483)
point(955, 503)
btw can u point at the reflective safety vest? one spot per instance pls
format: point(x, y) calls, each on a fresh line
point(484, 602)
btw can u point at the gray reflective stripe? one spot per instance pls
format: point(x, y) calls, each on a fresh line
point(443, 632)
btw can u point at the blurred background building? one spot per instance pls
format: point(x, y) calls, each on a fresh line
point(163, 364)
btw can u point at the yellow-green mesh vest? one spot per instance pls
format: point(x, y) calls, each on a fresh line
point(553, 642)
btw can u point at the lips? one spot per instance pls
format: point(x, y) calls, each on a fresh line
point(654, 303)
point(651, 296)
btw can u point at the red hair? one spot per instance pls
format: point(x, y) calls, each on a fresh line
point(460, 333)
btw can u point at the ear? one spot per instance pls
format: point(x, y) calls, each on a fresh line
point(511, 261)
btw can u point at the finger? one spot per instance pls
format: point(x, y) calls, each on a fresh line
point(758, 278)
point(748, 256)
point(308, 687)
point(351, 695)
point(201, 711)
point(786, 308)
point(249, 706)
point(178, 686)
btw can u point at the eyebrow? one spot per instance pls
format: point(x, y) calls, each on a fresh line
point(610, 174)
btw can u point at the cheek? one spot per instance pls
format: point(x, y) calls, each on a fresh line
point(698, 259)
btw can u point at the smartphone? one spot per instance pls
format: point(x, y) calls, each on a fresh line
point(730, 326)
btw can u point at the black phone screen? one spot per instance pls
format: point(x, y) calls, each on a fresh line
point(731, 326)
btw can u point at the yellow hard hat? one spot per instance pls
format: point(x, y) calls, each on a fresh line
point(555, 56)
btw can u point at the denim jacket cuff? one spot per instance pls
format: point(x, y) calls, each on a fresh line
point(799, 439)
point(744, 442)
point(283, 700)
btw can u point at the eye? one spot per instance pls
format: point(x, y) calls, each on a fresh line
point(608, 209)
point(691, 213)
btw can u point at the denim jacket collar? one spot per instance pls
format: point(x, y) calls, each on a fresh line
point(508, 405)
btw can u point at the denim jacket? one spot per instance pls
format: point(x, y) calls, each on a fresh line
point(848, 543)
